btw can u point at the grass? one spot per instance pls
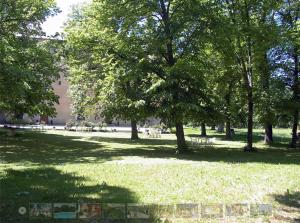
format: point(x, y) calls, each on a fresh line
point(60, 166)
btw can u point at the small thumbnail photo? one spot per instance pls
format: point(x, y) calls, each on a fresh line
point(186, 211)
point(138, 211)
point(88, 210)
point(237, 210)
point(165, 211)
point(64, 210)
point(40, 210)
point(212, 211)
point(113, 211)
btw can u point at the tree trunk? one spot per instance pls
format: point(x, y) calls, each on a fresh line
point(134, 131)
point(249, 146)
point(296, 98)
point(203, 129)
point(268, 133)
point(265, 78)
point(228, 129)
point(181, 144)
point(227, 111)
point(294, 130)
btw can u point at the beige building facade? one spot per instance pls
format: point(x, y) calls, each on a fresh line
point(64, 107)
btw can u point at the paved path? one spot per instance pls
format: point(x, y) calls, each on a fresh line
point(61, 127)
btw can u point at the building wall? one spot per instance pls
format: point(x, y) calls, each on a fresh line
point(64, 108)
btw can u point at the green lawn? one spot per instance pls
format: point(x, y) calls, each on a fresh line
point(60, 166)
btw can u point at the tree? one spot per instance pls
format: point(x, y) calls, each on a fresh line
point(267, 37)
point(110, 88)
point(160, 38)
point(289, 15)
point(27, 65)
point(240, 24)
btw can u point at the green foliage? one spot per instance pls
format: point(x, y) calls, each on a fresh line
point(201, 61)
point(152, 47)
point(27, 65)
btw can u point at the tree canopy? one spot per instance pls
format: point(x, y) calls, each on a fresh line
point(27, 63)
point(196, 61)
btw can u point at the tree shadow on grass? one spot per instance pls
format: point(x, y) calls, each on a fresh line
point(154, 148)
point(35, 148)
point(19, 188)
point(40, 148)
point(48, 185)
point(239, 136)
point(52, 185)
point(280, 142)
point(290, 207)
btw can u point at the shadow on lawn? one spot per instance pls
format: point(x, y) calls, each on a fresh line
point(42, 148)
point(53, 185)
point(290, 212)
point(42, 185)
point(19, 188)
point(241, 136)
point(157, 149)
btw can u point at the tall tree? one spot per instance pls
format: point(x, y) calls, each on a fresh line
point(161, 38)
point(240, 25)
point(267, 37)
point(110, 88)
point(289, 16)
point(27, 65)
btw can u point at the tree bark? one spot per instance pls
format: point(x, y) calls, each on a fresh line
point(296, 98)
point(265, 79)
point(294, 130)
point(227, 112)
point(249, 146)
point(228, 129)
point(268, 133)
point(247, 66)
point(134, 131)
point(203, 129)
point(181, 144)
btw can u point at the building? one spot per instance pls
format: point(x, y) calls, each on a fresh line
point(64, 108)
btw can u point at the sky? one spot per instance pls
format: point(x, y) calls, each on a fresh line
point(55, 24)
